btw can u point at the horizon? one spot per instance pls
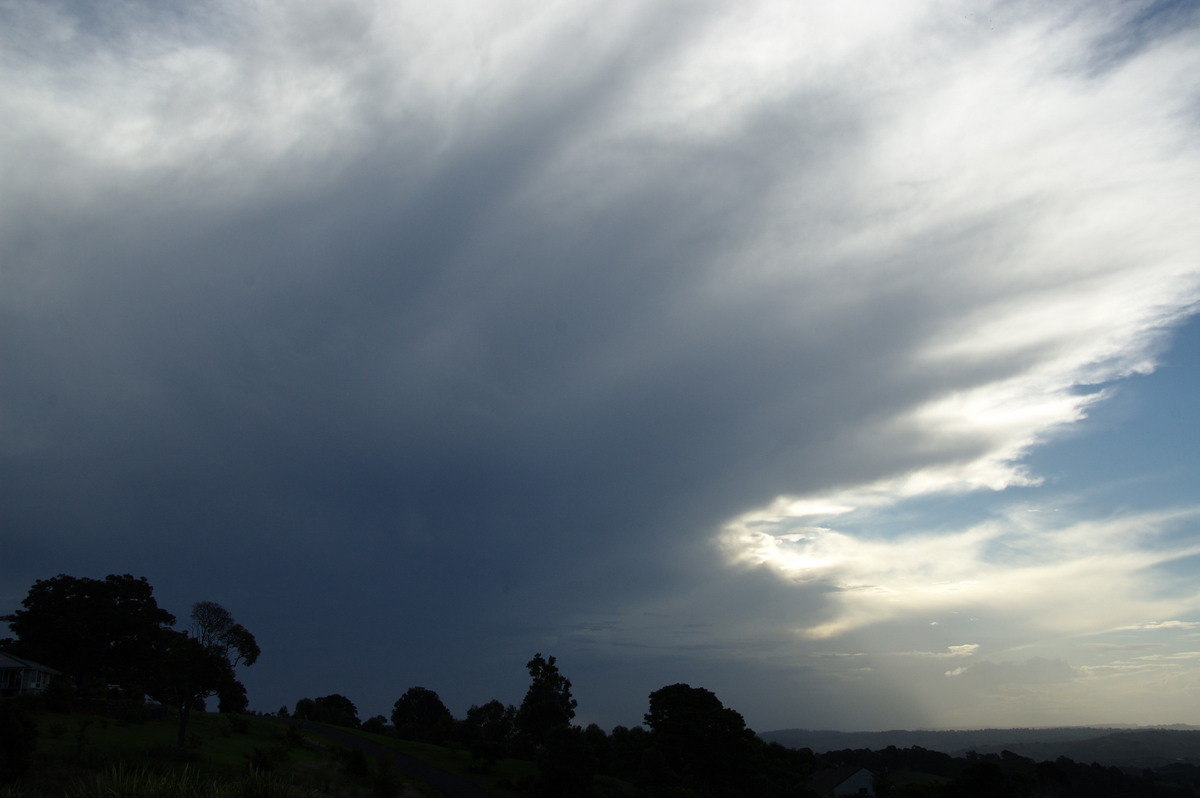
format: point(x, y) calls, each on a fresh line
point(1096, 726)
point(840, 361)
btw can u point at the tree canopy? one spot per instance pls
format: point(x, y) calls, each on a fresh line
point(334, 709)
point(488, 730)
point(111, 631)
point(217, 631)
point(699, 737)
point(419, 714)
point(195, 666)
point(187, 672)
point(97, 631)
point(548, 705)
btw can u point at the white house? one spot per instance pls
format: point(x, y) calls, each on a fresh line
point(19, 676)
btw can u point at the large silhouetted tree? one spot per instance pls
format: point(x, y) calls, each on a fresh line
point(698, 738)
point(97, 631)
point(194, 666)
point(419, 714)
point(548, 706)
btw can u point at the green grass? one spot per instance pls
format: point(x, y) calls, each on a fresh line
point(85, 755)
point(137, 755)
point(498, 778)
point(82, 738)
point(142, 782)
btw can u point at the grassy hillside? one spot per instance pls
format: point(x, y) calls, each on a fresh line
point(135, 753)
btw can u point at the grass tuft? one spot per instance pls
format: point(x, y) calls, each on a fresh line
point(140, 782)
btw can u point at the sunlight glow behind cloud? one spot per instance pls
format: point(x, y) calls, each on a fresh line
point(1017, 566)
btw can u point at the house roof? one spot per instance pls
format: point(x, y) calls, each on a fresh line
point(9, 662)
point(827, 781)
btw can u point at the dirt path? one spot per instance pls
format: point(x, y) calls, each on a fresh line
point(448, 784)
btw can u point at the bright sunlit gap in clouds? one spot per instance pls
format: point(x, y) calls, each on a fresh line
point(685, 341)
point(1049, 577)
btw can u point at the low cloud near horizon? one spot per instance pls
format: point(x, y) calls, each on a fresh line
point(672, 339)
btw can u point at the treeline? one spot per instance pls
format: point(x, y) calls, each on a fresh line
point(920, 773)
point(691, 744)
point(111, 632)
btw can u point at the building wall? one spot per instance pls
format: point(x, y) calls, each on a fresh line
point(22, 680)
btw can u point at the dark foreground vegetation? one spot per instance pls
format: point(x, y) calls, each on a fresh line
point(118, 748)
point(92, 732)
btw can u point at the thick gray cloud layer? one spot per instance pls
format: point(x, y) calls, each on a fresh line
point(428, 339)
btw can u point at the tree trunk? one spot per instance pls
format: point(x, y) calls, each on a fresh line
point(185, 709)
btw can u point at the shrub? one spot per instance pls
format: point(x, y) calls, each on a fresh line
point(295, 736)
point(236, 723)
point(264, 759)
point(18, 739)
point(386, 783)
point(355, 763)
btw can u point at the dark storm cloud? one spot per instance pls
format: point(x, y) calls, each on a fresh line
point(424, 342)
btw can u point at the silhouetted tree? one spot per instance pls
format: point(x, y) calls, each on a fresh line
point(419, 714)
point(565, 764)
point(1052, 781)
point(214, 628)
point(488, 731)
point(627, 749)
point(783, 767)
point(187, 672)
point(548, 705)
point(231, 697)
point(599, 749)
point(704, 744)
point(336, 710)
point(982, 779)
point(376, 724)
point(97, 631)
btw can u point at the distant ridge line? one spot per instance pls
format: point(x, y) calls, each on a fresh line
point(1122, 746)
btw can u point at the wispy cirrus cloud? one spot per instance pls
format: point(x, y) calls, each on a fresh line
point(1156, 625)
point(964, 650)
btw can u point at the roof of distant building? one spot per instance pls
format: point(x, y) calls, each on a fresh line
point(828, 780)
point(8, 661)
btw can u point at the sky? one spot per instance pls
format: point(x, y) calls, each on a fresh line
point(838, 358)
